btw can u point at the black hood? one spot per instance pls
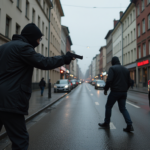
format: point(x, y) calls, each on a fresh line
point(19, 37)
point(31, 32)
point(115, 61)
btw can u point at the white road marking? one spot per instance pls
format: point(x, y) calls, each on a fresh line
point(96, 103)
point(133, 105)
point(112, 126)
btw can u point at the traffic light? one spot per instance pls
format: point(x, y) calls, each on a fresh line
point(61, 71)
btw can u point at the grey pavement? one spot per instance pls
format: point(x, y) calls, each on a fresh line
point(139, 89)
point(72, 123)
point(38, 102)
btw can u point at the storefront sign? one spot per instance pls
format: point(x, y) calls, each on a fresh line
point(143, 63)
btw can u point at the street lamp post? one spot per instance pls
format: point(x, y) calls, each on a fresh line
point(49, 80)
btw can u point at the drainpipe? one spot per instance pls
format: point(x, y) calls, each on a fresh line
point(122, 40)
point(49, 81)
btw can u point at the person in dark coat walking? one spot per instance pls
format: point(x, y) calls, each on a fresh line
point(119, 82)
point(17, 60)
point(42, 86)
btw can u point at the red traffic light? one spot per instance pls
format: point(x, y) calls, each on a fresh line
point(61, 71)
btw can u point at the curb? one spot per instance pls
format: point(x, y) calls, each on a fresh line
point(35, 114)
point(138, 91)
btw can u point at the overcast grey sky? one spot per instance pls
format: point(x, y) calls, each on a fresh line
point(89, 26)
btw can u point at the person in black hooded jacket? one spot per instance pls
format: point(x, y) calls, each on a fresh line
point(17, 60)
point(119, 82)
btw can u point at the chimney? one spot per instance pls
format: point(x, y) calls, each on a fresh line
point(115, 22)
point(121, 13)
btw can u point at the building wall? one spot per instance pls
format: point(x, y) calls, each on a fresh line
point(129, 37)
point(104, 59)
point(117, 42)
point(63, 41)
point(17, 16)
point(55, 36)
point(97, 64)
point(101, 62)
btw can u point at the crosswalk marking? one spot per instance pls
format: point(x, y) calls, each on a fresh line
point(132, 104)
point(96, 103)
point(112, 126)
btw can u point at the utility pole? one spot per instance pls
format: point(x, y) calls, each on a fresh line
point(49, 80)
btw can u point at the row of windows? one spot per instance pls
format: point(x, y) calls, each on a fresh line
point(55, 42)
point(129, 57)
point(142, 7)
point(144, 50)
point(129, 38)
point(56, 10)
point(144, 25)
point(117, 48)
point(45, 8)
point(129, 20)
point(43, 51)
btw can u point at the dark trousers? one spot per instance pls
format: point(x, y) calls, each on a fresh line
point(121, 98)
point(42, 90)
point(16, 130)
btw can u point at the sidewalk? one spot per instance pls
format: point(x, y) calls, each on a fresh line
point(37, 102)
point(139, 89)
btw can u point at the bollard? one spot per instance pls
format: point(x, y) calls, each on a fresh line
point(49, 88)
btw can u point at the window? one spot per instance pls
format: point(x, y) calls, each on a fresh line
point(133, 14)
point(148, 1)
point(131, 37)
point(46, 53)
point(149, 46)
point(143, 25)
point(47, 12)
point(131, 55)
point(39, 22)
point(46, 33)
point(134, 34)
point(17, 29)
point(42, 50)
point(44, 5)
point(7, 31)
point(43, 27)
point(143, 5)
point(149, 21)
point(139, 52)
point(138, 30)
point(27, 9)
point(144, 50)
point(138, 9)
point(128, 21)
point(33, 16)
point(18, 3)
point(128, 38)
point(130, 18)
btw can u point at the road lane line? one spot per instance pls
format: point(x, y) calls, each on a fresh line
point(96, 103)
point(112, 126)
point(133, 105)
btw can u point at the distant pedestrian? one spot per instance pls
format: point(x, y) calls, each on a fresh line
point(42, 86)
point(132, 83)
point(17, 61)
point(119, 82)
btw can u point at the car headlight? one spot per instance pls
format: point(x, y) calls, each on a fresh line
point(66, 86)
point(98, 85)
point(55, 86)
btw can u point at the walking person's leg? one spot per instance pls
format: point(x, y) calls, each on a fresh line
point(16, 129)
point(123, 110)
point(110, 102)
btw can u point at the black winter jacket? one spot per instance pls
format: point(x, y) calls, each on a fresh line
point(17, 60)
point(118, 77)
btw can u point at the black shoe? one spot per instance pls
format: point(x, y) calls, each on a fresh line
point(128, 129)
point(104, 125)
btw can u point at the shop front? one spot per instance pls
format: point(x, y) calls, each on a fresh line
point(132, 69)
point(62, 72)
point(143, 68)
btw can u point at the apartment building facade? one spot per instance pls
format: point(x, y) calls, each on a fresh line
point(97, 65)
point(108, 50)
point(143, 41)
point(129, 40)
point(15, 14)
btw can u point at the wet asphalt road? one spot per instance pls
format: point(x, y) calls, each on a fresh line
point(72, 124)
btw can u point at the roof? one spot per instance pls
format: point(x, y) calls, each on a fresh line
point(60, 7)
point(102, 48)
point(66, 29)
point(69, 38)
point(109, 32)
point(132, 1)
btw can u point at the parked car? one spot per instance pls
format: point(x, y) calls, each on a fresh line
point(71, 84)
point(74, 83)
point(99, 84)
point(62, 85)
point(94, 81)
point(79, 82)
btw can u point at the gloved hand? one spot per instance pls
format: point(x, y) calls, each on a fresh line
point(67, 59)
